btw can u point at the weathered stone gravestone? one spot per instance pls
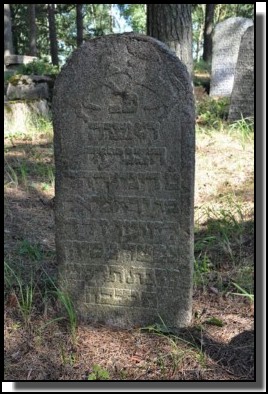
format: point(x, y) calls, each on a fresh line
point(29, 87)
point(226, 42)
point(12, 62)
point(242, 99)
point(124, 153)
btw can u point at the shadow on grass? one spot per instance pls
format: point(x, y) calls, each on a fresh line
point(29, 217)
point(236, 357)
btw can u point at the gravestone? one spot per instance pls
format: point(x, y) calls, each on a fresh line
point(12, 62)
point(124, 154)
point(29, 87)
point(226, 42)
point(242, 99)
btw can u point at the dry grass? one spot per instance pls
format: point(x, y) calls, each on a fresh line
point(45, 350)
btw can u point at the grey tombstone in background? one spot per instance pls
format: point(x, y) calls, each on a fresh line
point(242, 99)
point(226, 43)
point(124, 153)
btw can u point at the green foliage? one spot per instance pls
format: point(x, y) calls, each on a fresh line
point(224, 11)
point(8, 75)
point(38, 67)
point(243, 292)
point(202, 267)
point(202, 66)
point(25, 292)
point(41, 126)
point(214, 321)
point(135, 15)
point(12, 177)
point(198, 15)
point(97, 21)
point(32, 251)
point(20, 28)
point(203, 244)
point(212, 113)
point(67, 358)
point(243, 128)
point(177, 352)
point(98, 373)
point(244, 277)
point(66, 301)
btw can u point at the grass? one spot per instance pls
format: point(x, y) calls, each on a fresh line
point(32, 251)
point(26, 124)
point(24, 297)
point(65, 300)
point(223, 268)
point(212, 113)
point(11, 176)
point(98, 373)
point(68, 305)
point(202, 267)
point(243, 293)
point(178, 353)
point(243, 129)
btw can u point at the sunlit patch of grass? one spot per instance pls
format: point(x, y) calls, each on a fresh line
point(41, 127)
point(30, 127)
point(243, 129)
point(224, 233)
point(180, 348)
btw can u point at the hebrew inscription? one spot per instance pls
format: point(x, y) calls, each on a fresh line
point(242, 99)
point(124, 152)
point(226, 43)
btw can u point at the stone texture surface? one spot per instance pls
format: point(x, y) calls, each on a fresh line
point(30, 87)
point(27, 89)
point(226, 43)
point(124, 153)
point(18, 59)
point(242, 99)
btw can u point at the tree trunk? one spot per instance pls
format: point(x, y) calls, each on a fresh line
point(53, 34)
point(172, 24)
point(79, 24)
point(207, 54)
point(201, 32)
point(32, 25)
point(8, 39)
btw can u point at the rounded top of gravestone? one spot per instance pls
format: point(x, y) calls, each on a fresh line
point(125, 51)
point(102, 71)
point(98, 42)
point(249, 31)
point(235, 23)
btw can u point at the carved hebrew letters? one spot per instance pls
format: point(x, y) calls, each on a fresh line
point(124, 152)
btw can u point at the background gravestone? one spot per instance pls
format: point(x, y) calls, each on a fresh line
point(124, 153)
point(242, 99)
point(226, 42)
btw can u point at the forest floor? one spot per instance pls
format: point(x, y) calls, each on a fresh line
point(218, 345)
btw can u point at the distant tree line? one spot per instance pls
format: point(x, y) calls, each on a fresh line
point(55, 30)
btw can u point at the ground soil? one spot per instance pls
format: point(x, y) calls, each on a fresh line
point(203, 351)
